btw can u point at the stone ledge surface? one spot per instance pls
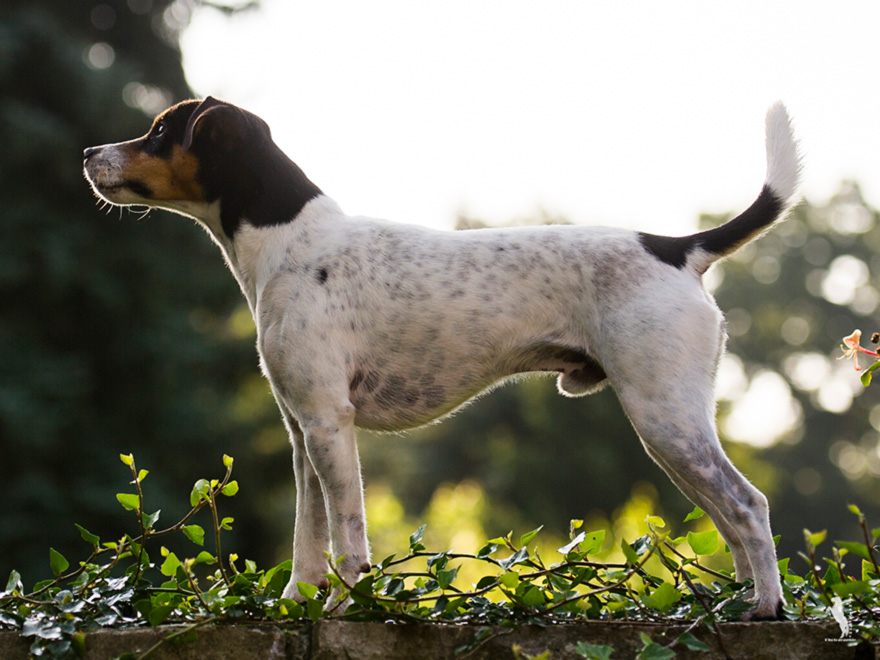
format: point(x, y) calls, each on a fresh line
point(340, 640)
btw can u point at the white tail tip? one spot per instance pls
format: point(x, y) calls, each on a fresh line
point(783, 157)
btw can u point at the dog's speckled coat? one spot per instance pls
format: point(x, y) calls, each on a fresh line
point(362, 322)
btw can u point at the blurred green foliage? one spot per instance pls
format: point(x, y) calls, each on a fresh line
point(123, 335)
point(116, 334)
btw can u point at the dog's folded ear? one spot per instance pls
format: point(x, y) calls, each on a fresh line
point(216, 122)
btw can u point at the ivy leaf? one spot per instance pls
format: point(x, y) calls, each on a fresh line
point(656, 521)
point(859, 549)
point(447, 577)
point(151, 518)
point(695, 514)
point(230, 489)
point(57, 561)
point(517, 557)
point(703, 543)
point(866, 376)
point(195, 533)
point(14, 582)
point(534, 596)
point(205, 558)
point(664, 597)
point(306, 590)
point(44, 628)
point(487, 550)
point(653, 651)
point(438, 561)
point(159, 613)
point(850, 588)
point(87, 536)
point(129, 501)
point(509, 580)
point(170, 565)
point(200, 491)
point(593, 541)
point(629, 553)
point(227, 461)
point(594, 651)
point(693, 643)
point(815, 539)
point(315, 609)
point(415, 539)
point(485, 582)
point(525, 539)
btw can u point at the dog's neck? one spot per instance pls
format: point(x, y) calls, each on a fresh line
point(261, 187)
point(257, 253)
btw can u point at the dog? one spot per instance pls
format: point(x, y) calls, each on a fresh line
point(370, 324)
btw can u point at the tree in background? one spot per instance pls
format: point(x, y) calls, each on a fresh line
point(117, 335)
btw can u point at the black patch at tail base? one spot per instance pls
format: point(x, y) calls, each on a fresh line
point(721, 240)
point(670, 250)
point(731, 235)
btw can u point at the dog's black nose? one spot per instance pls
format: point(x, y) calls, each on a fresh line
point(88, 151)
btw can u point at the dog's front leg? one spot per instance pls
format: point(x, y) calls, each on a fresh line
point(329, 500)
point(331, 448)
point(311, 534)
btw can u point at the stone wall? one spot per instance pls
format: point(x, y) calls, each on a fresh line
point(339, 640)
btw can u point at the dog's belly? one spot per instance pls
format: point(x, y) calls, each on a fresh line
point(392, 399)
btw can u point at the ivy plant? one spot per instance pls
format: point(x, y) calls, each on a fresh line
point(136, 581)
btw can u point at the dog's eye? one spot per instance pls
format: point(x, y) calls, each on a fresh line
point(160, 129)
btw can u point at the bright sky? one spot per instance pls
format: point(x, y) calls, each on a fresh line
point(638, 114)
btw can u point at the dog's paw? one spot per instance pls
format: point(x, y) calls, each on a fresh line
point(769, 612)
point(292, 592)
point(351, 568)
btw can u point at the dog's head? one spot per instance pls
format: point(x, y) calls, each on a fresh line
point(203, 159)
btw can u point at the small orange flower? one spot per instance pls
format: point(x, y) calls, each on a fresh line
point(851, 348)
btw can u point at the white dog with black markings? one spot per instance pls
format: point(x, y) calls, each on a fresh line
point(365, 323)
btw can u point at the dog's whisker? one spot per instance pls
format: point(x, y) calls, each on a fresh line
point(141, 211)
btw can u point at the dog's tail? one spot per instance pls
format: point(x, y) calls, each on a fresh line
point(779, 195)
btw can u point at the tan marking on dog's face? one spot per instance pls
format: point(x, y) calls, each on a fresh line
point(153, 170)
point(169, 179)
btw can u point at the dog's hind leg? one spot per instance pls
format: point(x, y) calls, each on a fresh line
point(670, 400)
point(692, 456)
point(741, 565)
